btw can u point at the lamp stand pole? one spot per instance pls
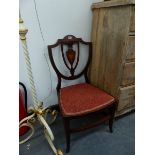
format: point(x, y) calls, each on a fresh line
point(37, 111)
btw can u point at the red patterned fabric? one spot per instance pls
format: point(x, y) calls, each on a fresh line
point(83, 98)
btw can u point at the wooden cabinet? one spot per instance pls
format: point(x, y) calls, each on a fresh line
point(113, 35)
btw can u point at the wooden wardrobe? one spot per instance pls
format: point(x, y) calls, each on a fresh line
point(113, 61)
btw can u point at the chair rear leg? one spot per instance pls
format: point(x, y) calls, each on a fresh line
point(67, 133)
point(112, 113)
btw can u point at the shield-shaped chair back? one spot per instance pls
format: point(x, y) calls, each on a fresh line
point(70, 58)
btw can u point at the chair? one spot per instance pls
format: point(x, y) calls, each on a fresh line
point(79, 100)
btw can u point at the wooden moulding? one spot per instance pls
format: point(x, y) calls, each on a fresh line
point(130, 48)
point(112, 3)
point(127, 97)
point(132, 20)
point(128, 74)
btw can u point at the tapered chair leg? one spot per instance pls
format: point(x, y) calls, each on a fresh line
point(111, 125)
point(67, 133)
point(112, 113)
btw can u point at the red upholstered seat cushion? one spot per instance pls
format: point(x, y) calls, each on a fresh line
point(83, 98)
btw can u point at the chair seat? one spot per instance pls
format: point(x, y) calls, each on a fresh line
point(83, 98)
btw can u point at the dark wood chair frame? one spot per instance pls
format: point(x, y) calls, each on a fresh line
point(71, 40)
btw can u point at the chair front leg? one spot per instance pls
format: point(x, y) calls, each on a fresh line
point(67, 133)
point(112, 113)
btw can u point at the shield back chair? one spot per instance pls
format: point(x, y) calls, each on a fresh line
point(79, 100)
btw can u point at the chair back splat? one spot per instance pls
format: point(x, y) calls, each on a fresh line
point(70, 58)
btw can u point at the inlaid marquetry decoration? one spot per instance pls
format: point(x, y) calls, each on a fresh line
point(70, 55)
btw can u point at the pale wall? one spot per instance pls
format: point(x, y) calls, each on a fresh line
point(58, 18)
